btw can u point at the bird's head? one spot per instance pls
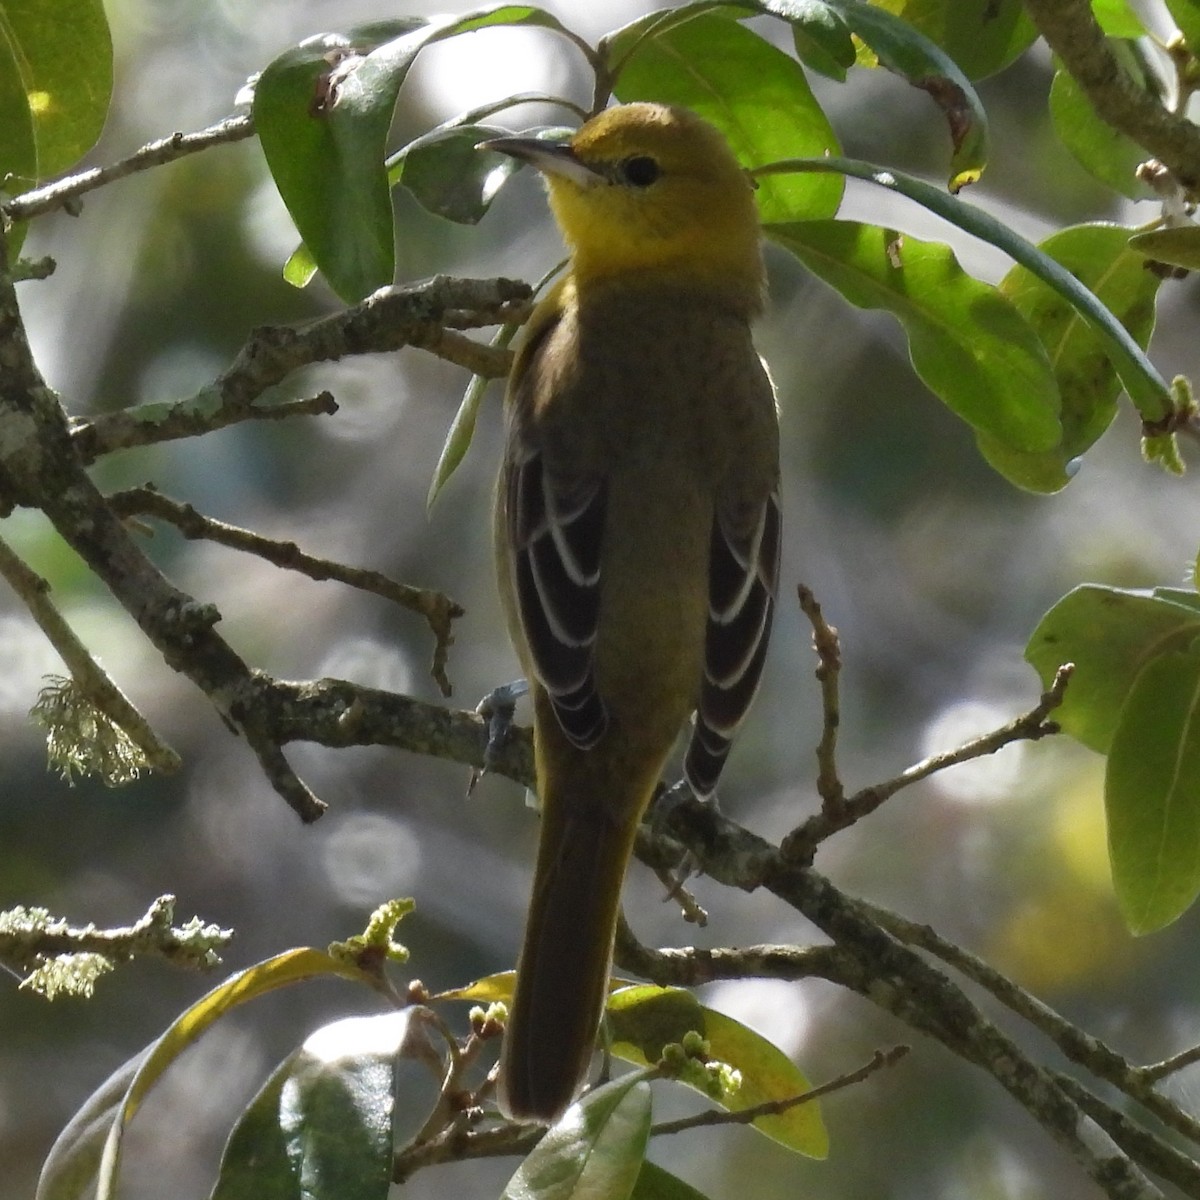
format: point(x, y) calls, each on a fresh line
point(645, 188)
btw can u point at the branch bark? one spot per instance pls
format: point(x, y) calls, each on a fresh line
point(1072, 32)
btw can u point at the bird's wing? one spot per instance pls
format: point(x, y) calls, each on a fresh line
point(555, 528)
point(743, 576)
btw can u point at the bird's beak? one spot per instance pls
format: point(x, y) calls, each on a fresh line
point(551, 158)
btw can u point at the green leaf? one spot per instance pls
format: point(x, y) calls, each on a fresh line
point(322, 1124)
point(907, 52)
point(1146, 387)
point(981, 36)
point(323, 122)
point(1117, 18)
point(67, 74)
point(279, 971)
point(70, 1167)
point(1102, 151)
point(1186, 15)
point(1178, 246)
point(753, 92)
point(323, 110)
point(462, 428)
point(653, 1183)
point(968, 344)
point(449, 177)
point(1110, 634)
point(299, 268)
point(18, 149)
point(821, 37)
point(596, 1150)
point(643, 1019)
point(1152, 791)
point(488, 990)
point(1099, 257)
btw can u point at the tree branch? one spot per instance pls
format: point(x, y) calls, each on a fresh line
point(1072, 32)
point(421, 315)
point(65, 193)
point(437, 609)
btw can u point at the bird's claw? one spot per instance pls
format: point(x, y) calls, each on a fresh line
point(497, 709)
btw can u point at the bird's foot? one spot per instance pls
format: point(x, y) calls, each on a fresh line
point(497, 708)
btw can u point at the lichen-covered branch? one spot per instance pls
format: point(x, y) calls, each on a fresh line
point(47, 951)
point(94, 685)
point(390, 319)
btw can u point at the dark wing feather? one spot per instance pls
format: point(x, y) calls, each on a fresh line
point(555, 528)
point(743, 577)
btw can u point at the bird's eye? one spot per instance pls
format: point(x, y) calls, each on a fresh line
point(640, 170)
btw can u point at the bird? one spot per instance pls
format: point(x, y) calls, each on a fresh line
point(637, 533)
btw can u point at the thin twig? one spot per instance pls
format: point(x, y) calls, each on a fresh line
point(800, 845)
point(1079, 1047)
point(458, 1145)
point(1156, 1072)
point(62, 193)
point(95, 684)
point(880, 1060)
point(829, 667)
point(1144, 1147)
point(437, 609)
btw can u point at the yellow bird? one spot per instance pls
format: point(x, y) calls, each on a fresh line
point(637, 534)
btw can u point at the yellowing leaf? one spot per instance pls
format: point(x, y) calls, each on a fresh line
point(644, 1018)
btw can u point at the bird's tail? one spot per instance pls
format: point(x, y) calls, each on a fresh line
point(562, 976)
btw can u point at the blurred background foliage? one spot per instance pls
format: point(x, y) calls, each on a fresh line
point(933, 568)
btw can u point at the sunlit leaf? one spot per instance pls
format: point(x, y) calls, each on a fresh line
point(982, 36)
point(642, 1019)
point(323, 110)
point(753, 92)
point(18, 149)
point(299, 268)
point(1154, 399)
point(1186, 15)
point(67, 73)
point(1108, 155)
point(1110, 634)
point(1099, 257)
point(1118, 19)
point(968, 344)
point(1152, 791)
point(594, 1152)
point(488, 990)
point(322, 1124)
